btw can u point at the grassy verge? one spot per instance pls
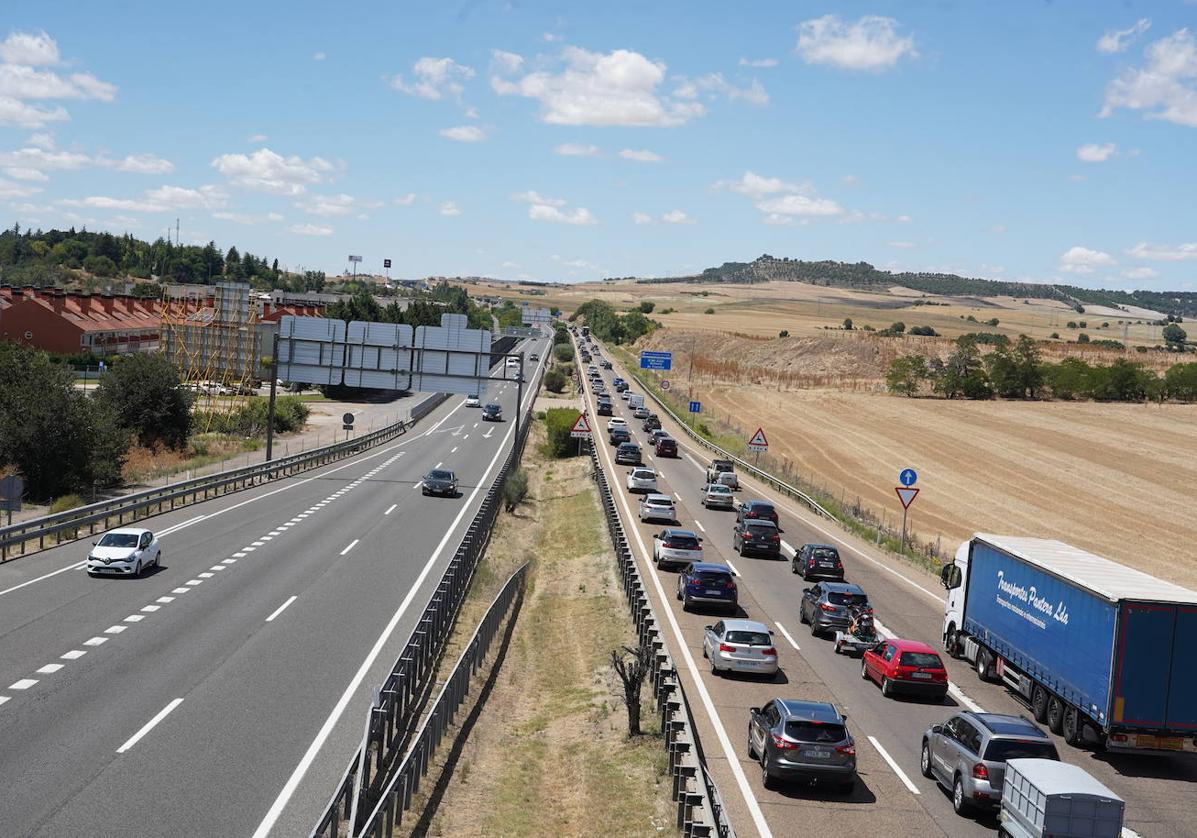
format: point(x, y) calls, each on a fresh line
point(549, 753)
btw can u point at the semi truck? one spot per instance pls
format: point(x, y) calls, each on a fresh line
point(1089, 643)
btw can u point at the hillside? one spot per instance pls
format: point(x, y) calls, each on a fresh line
point(864, 277)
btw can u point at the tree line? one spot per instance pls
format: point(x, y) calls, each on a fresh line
point(424, 309)
point(1018, 372)
point(607, 324)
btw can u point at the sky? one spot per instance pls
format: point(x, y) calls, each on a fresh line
point(1036, 141)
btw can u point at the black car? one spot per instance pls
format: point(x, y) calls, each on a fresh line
point(651, 423)
point(627, 454)
point(802, 740)
point(818, 561)
point(492, 413)
point(439, 481)
point(826, 606)
point(666, 446)
point(757, 509)
point(604, 409)
point(619, 436)
point(756, 536)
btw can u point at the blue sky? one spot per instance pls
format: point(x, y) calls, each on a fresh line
point(1052, 142)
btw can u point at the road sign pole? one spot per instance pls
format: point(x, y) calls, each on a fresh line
point(904, 511)
point(519, 398)
point(270, 410)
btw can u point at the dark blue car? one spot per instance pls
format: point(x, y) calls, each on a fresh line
point(704, 583)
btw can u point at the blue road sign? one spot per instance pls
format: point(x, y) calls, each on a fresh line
point(656, 360)
point(696, 407)
point(908, 477)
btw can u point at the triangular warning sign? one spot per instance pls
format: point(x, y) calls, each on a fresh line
point(758, 438)
point(906, 494)
point(581, 426)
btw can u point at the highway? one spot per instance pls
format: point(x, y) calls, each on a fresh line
point(892, 796)
point(225, 693)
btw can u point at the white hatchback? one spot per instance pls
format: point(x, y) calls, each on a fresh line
point(658, 508)
point(124, 552)
point(642, 480)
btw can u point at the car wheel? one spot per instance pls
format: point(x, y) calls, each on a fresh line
point(801, 615)
point(793, 567)
point(814, 628)
point(751, 747)
point(925, 760)
point(1055, 715)
point(1039, 703)
point(982, 665)
point(767, 781)
point(887, 688)
point(715, 672)
point(951, 644)
point(864, 670)
point(685, 603)
point(960, 804)
point(158, 560)
point(1073, 727)
point(137, 572)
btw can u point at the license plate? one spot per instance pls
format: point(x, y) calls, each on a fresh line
point(712, 592)
point(922, 676)
point(818, 754)
point(1168, 743)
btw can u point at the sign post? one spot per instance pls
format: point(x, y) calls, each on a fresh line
point(656, 360)
point(580, 430)
point(696, 407)
point(906, 494)
point(758, 443)
point(11, 490)
point(347, 424)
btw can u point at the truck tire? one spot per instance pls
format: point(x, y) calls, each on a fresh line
point(982, 665)
point(951, 643)
point(1055, 715)
point(1039, 703)
point(1074, 727)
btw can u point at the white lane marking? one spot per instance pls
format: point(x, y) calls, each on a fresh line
point(897, 770)
point(352, 544)
point(258, 543)
point(204, 575)
point(162, 714)
point(698, 524)
point(115, 629)
point(194, 582)
point(3, 699)
point(247, 549)
point(74, 654)
point(216, 567)
point(732, 566)
point(180, 590)
point(438, 465)
point(267, 538)
point(392, 509)
point(134, 618)
point(279, 610)
point(181, 526)
point(165, 599)
point(96, 641)
point(280, 802)
point(788, 547)
point(453, 450)
point(229, 561)
point(464, 438)
point(150, 609)
point(239, 555)
point(50, 668)
point(294, 520)
point(475, 424)
point(23, 684)
point(74, 566)
point(489, 431)
point(789, 638)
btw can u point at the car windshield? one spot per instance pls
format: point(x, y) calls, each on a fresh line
point(804, 731)
point(493, 407)
point(1001, 750)
point(119, 539)
point(749, 638)
point(837, 598)
point(440, 475)
point(644, 475)
point(927, 660)
point(825, 553)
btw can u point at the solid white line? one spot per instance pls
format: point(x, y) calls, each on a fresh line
point(787, 636)
point(279, 610)
point(732, 566)
point(74, 566)
point(698, 524)
point(959, 695)
point(74, 654)
point(181, 526)
point(23, 684)
point(901, 774)
point(352, 544)
point(392, 509)
point(785, 545)
point(96, 641)
point(50, 668)
point(133, 740)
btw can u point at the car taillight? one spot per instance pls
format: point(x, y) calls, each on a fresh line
point(748, 536)
point(1119, 737)
point(723, 647)
point(826, 606)
point(772, 650)
point(777, 538)
point(731, 586)
point(783, 744)
point(846, 750)
point(980, 771)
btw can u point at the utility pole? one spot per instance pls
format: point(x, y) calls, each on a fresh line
point(273, 387)
point(519, 398)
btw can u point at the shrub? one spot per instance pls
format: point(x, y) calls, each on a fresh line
point(1082, 338)
point(709, 311)
point(515, 489)
point(1084, 324)
point(555, 381)
point(1054, 336)
point(143, 391)
point(558, 422)
point(563, 352)
point(784, 333)
point(646, 307)
point(65, 502)
point(992, 321)
point(924, 331)
point(1071, 324)
point(905, 374)
point(847, 324)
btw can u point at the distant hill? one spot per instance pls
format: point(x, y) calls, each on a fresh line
point(864, 277)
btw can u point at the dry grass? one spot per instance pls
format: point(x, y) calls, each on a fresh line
point(549, 753)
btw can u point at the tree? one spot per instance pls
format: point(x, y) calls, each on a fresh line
point(143, 391)
point(646, 307)
point(963, 375)
point(555, 381)
point(709, 311)
point(1174, 337)
point(925, 331)
point(897, 328)
point(905, 374)
point(1180, 382)
point(1122, 381)
point(847, 325)
point(99, 266)
point(1082, 338)
point(515, 489)
point(1028, 368)
point(563, 352)
point(784, 333)
point(993, 321)
point(632, 665)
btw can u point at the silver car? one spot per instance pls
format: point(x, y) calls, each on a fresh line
point(642, 480)
point(658, 508)
point(127, 551)
point(716, 496)
point(676, 548)
point(740, 646)
point(802, 740)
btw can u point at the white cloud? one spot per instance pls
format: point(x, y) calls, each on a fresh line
point(1164, 88)
point(676, 217)
point(1164, 252)
point(641, 156)
point(778, 220)
point(21, 173)
point(905, 219)
point(470, 113)
point(14, 112)
point(1094, 153)
point(464, 134)
point(714, 84)
point(544, 212)
point(16, 190)
point(642, 218)
point(257, 138)
point(802, 205)
point(329, 205)
point(108, 203)
point(267, 171)
point(1117, 40)
point(572, 263)
point(577, 150)
point(615, 88)
point(534, 197)
point(405, 200)
point(42, 140)
point(903, 245)
point(20, 82)
point(247, 218)
point(450, 209)
point(1141, 273)
point(1082, 260)
point(310, 230)
point(41, 159)
point(145, 164)
point(763, 63)
point(319, 56)
point(850, 180)
point(551, 38)
point(29, 50)
point(506, 62)
point(871, 43)
point(434, 78)
point(177, 197)
point(756, 186)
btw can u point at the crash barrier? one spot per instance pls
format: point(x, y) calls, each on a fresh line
point(501, 347)
point(426, 406)
point(387, 817)
point(700, 809)
point(404, 693)
point(82, 521)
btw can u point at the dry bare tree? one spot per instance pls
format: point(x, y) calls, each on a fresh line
point(632, 665)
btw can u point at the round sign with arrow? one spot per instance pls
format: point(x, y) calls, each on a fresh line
point(908, 477)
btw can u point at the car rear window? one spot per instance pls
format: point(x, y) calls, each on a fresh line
point(682, 542)
point(825, 553)
point(815, 731)
point(751, 638)
point(712, 576)
point(1000, 750)
point(119, 539)
point(928, 660)
point(761, 508)
point(837, 598)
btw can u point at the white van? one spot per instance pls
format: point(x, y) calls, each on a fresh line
point(635, 400)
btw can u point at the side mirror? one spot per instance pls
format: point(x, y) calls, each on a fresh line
point(708, 628)
point(806, 590)
point(94, 542)
point(752, 711)
point(937, 728)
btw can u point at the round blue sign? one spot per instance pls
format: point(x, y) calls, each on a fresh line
point(908, 477)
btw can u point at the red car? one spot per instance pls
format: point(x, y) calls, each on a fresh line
point(905, 666)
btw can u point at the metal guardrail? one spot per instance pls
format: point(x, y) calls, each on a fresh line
point(700, 810)
point(387, 816)
point(404, 694)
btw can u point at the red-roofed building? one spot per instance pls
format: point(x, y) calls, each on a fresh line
point(66, 323)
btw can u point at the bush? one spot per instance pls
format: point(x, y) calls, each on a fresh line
point(515, 489)
point(709, 311)
point(555, 381)
point(847, 324)
point(558, 422)
point(993, 321)
point(1054, 336)
point(924, 331)
point(646, 307)
point(1082, 338)
point(62, 504)
point(905, 374)
point(784, 333)
point(563, 352)
point(1084, 324)
point(1071, 324)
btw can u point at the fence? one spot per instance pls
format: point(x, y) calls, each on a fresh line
point(700, 810)
point(405, 692)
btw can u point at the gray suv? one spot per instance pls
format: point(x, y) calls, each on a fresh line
point(968, 754)
point(802, 740)
point(826, 606)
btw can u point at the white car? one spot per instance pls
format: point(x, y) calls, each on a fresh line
point(740, 646)
point(676, 548)
point(124, 552)
point(617, 422)
point(642, 480)
point(658, 508)
point(717, 496)
point(473, 401)
point(624, 394)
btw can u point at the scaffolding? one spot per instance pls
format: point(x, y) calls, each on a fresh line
point(210, 334)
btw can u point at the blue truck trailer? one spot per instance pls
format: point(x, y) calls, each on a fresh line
point(1091, 644)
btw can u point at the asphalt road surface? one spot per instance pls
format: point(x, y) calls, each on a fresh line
point(224, 693)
